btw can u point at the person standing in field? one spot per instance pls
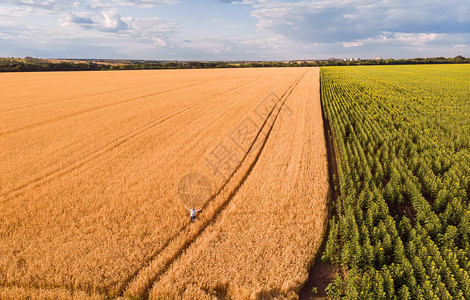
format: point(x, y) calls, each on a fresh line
point(193, 213)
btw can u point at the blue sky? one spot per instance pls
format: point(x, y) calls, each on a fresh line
point(234, 30)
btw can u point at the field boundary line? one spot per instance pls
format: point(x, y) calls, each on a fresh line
point(333, 194)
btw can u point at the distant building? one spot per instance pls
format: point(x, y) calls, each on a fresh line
point(352, 59)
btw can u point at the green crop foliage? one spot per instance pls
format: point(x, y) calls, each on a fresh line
point(401, 224)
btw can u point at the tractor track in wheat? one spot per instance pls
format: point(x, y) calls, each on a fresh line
point(218, 210)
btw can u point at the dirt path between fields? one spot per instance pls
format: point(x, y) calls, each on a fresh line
point(321, 274)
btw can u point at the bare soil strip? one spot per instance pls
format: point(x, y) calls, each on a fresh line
point(321, 274)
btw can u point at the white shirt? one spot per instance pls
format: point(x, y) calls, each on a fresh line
point(193, 211)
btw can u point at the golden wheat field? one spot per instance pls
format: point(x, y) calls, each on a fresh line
point(97, 167)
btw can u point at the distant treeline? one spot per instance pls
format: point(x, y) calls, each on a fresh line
point(30, 64)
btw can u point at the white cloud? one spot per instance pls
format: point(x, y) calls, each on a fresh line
point(415, 38)
point(42, 3)
point(112, 22)
point(160, 42)
point(396, 38)
point(41, 6)
point(144, 3)
point(153, 26)
point(71, 18)
point(275, 29)
point(92, 4)
point(352, 44)
point(347, 21)
point(249, 47)
point(154, 31)
point(44, 31)
point(405, 38)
